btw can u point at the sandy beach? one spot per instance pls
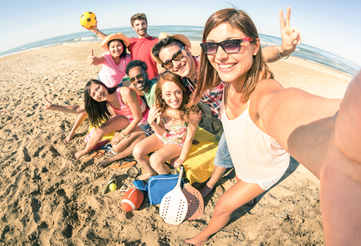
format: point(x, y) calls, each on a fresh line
point(49, 198)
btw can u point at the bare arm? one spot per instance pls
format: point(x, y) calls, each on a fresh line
point(290, 38)
point(193, 119)
point(73, 109)
point(93, 60)
point(300, 122)
point(129, 97)
point(95, 30)
point(340, 191)
point(154, 114)
point(191, 131)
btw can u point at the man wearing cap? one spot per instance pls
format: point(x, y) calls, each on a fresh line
point(140, 46)
point(173, 52)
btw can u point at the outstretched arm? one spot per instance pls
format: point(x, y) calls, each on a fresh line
point(73, 109)
point(95, 30)
point(324, 135)
point(340, 191)
point(93, 60)
point(300, 122)
point(290, 38)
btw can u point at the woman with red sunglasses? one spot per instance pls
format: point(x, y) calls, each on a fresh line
point(264, 122)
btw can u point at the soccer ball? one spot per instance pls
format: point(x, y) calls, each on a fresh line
point(88, 19)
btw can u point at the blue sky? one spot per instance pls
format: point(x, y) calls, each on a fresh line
point(331, 25)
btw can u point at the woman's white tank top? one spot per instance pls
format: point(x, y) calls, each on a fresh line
point(256, 156)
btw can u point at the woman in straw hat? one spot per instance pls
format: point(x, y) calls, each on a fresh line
point(114, 62)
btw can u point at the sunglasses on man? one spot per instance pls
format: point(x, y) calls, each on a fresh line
point(139, 77)
point(229, 46)
point(176, 57)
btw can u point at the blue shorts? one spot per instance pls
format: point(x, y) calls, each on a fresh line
point(144, 127)
point(223, 158)
point(148, 132)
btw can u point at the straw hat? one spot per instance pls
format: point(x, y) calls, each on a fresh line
point(114, 36)
point(179, 37)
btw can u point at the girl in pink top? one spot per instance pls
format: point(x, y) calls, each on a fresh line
point(131, 119)
point(114, 62)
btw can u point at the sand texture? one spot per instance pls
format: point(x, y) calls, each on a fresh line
point(49, 198)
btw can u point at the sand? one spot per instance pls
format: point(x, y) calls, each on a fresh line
point(48, 198)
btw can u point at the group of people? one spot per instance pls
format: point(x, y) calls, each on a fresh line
point(263, 123)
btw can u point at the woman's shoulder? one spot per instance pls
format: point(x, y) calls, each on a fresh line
point(265, 91)
point(266, 86)
point(127, 92)
point(124, 90)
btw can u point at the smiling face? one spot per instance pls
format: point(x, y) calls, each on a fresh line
point(185, 66)
point(231, 67)
point(172, 94)
point(98, 92)
point(115, 48)
point(140, 27)
point(139, 83)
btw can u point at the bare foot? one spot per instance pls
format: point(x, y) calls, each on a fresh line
point(205, 190)
point(196, 240)
point(145, 176)
point(104, 163)
point(68, 138)
point(80, 153)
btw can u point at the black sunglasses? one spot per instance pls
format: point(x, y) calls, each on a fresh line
point(139, 76)
point(176, 57)
point(229, 46)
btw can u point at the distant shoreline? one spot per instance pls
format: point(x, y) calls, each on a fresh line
point(194, 33)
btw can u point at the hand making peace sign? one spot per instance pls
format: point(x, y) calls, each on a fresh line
point(290, 35)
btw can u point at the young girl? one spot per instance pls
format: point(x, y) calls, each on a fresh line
point(114, 62)
point(131, 119)
point(262, 121)
point(174, 129)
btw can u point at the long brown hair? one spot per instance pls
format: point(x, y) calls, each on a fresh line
point(208, 76)
point(97, 111)
point(160, 103)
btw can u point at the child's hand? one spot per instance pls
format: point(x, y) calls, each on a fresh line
point(176, 162)
point(154, 112)
point(47, 105)
point(90, 59)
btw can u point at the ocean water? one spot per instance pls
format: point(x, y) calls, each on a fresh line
point(195, 33)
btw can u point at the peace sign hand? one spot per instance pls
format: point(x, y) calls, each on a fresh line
point(290, 35)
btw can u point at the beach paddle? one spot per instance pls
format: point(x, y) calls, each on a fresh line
point(195, 202)
point(174, 205)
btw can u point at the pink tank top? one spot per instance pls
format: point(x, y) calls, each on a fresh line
point(256, 156)
point(125, 109)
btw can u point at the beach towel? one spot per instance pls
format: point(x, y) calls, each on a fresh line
point(199, 165)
